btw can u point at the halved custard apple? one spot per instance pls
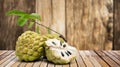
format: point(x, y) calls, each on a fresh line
point(59, 52)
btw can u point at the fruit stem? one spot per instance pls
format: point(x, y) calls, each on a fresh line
point(52, 30)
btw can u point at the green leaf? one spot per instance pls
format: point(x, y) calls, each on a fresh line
point(16, 12)
point(22, 21)
point(24, 17)
point(37, 29)
point(35, 16)
point(30, 24)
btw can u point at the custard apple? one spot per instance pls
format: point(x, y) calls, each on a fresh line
point(51, 36)
point(59, 52)
point(29, 46)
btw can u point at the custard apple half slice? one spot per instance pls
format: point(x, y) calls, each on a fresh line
point(29, 46)
point(58, 52)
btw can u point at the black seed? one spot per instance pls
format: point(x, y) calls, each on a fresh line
point(69, 52)
point(54, 43)
point(62, 54)
point(64, 45)
point(61, 43)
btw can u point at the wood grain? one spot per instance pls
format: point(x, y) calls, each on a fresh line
point(30, 64)
point(100, 60)
point(13, 61)
point(116, 25)
point(85, 24)
point(37, 64)
point(80, 61)
point(9, 30)
point(92, 59)
point(43, 64)
point(44, 9)
point(16, 64)
point(85, 58)
point(107, 59)
point(112, 57)
point(58, 16)
point(70, 21)
point(6, 58)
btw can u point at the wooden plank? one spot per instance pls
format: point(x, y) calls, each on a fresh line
point(107, 59)
point(44, 9)
point(78, 19)
point(114, 54)
point(9, 30)
point(10, 64)
point(117, 52)
point(2, 52)
point(22, 64)
point(98, 33)
point(16, 64)
point(73, 64)
point(51, 64)
point(43, 64)
point(116, 28)
point(58, 8)
point(86, 23)
point(6, 56)
point(106, 13)
point(92, 59)
point(8, 59)
point(29, 64)
point(39, 11)
point(37, 64)
point(86, 59)
point(99, 59)
point(112, 57)
point(80, 61)
point(58, 65)
point(78, 31)
point(70, 21)
point(67, 65)
point(81, 20)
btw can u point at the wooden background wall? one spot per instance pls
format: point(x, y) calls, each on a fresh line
point(116, 25)
point(9, 31)
point(85, 24)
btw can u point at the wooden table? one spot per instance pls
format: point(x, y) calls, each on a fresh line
point(84, 59)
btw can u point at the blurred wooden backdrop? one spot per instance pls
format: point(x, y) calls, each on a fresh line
point(86, 24)
point(9, 31)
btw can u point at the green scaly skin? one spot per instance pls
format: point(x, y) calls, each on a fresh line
point(29, 47)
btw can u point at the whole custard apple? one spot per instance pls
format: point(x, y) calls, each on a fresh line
point(29, 46)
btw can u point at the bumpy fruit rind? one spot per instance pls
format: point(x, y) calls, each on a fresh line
point(29, 46)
